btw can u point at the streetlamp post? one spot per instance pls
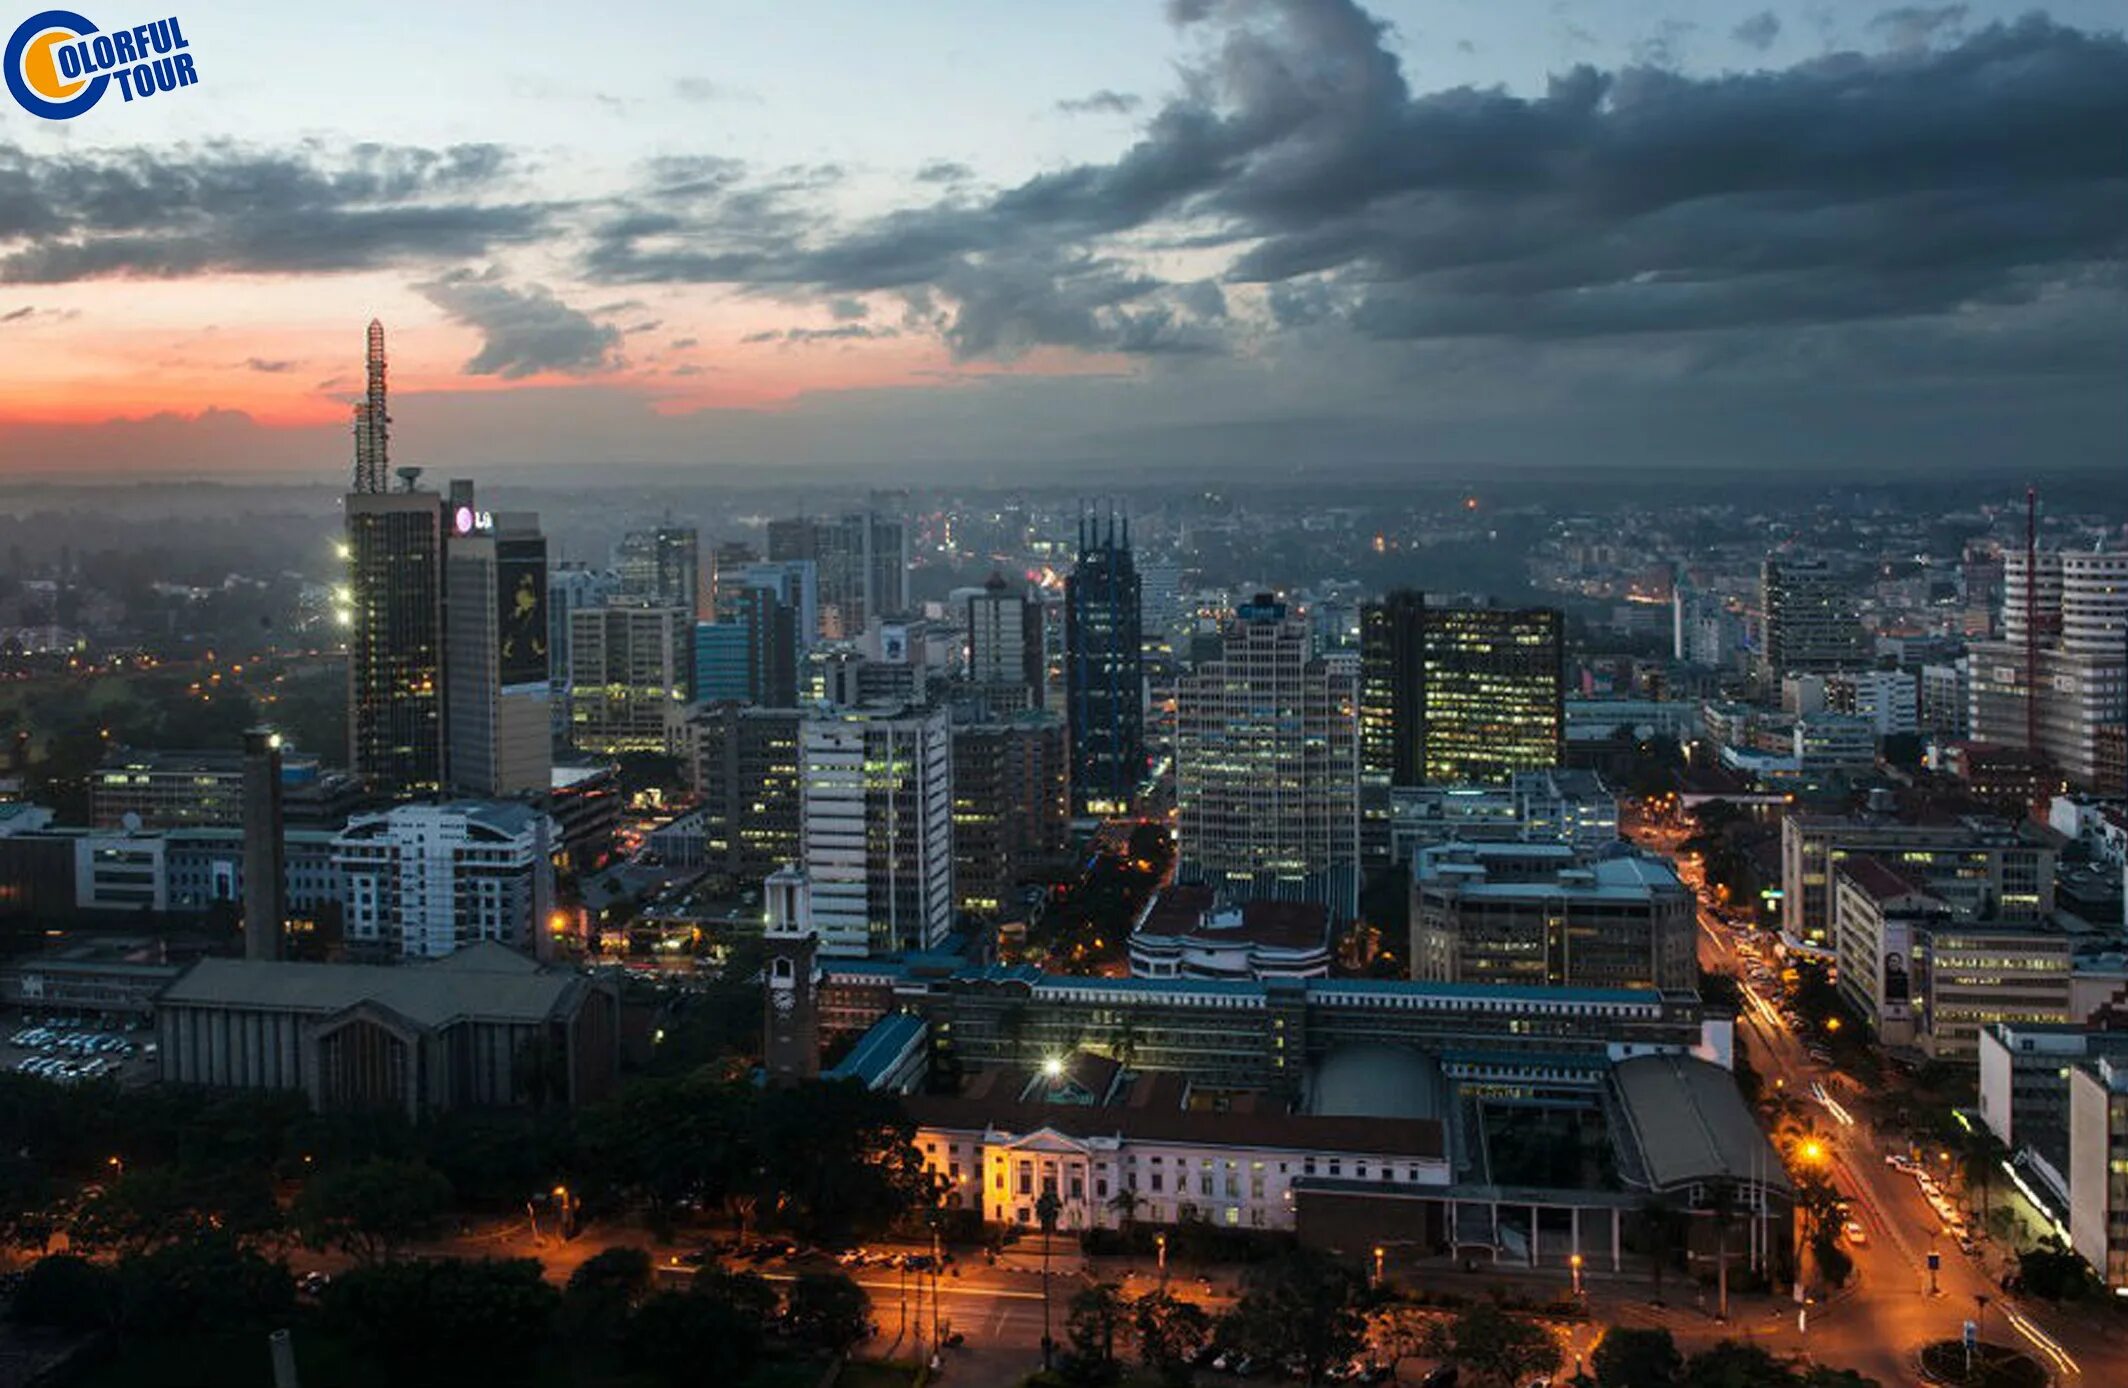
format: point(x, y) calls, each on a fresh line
point(1574, 1262)
point(1160, 1248)
point(1377, 1265)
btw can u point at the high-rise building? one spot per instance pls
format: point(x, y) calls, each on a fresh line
point(1455, 695)
point(395, 638)
point(662, 567)
point(2076, 659)
point(1104, 670)
point(878, 828)
point(373, 454)
point(1005, 651)
point(1889, 699)
point(499, 722)
point(630, 667)
point(424, 880)
point(1811, 626)
point(1267, 767)
point(795, 582)
point(1492, 694)
point(1011, 808)
point(265, 877)
point(745, 766)
point(752, 654)
point(725, 561)
point(861, 562)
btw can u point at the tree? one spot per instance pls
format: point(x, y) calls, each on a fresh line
point(1303, 1307)
point(690, 1338)
point(447, 1319)
point(1171, 1334)
point(839, 1157)
point(147, 1207)
point(1734, 1364)
point(1629, 1357)
point(1658, 1232)
point(1125, 1203)
point(65, 1292)
point(204, 1281)
point(372, 1210)
point(828, 1310)
point(1046, 1207)
point(604, 1288)
point(1498, 1347)
point(1095, 1315)
point(748, 1293)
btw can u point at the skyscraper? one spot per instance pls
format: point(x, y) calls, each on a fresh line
point(1267, 767)
point(1011, 808)
point(1455, 694)
point(1005, 644)
point(373, 460)
point(878, 816)
point(629, 668)
point(395, 640)
point(746, 772)
point(1494, 692)
point(2076, 692)
point(1811, 626)
point(662, 567)
point(861, 563)
point(751, 654)
point(1104, 673)
point(499, 722)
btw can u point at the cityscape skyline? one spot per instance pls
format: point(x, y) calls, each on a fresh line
point(1187, 247)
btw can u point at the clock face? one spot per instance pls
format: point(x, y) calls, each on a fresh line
point(785, 999)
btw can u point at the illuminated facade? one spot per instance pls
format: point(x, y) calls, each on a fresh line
point(878, 828)
point(1011, 809)
point(662, 567)
point(1104, 671)
point(425, 880)
point(629, 668)
point(1980, 867)
point(1492, 693)
point(395, 639)
point(746, 773)
point(499, 722)
point(1267, 767)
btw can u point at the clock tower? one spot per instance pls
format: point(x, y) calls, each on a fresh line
point(790, 1042)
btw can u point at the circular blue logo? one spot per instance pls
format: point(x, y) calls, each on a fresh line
point(34, 75)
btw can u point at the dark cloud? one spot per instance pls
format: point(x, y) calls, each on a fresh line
point(681, 344)
point(524, 332)
point(1759, 31)
point(1101, 103)
point(1638, 203)
point(848, 310)
point(650, 326)
point(1912, 27)
point(944, 171)
point(224, 207)
point(845, 332)
point(18, 314)
point(271, 368)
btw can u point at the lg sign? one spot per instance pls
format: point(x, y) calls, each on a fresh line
point(471, 522)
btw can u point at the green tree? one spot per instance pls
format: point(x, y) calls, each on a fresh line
point(1630, 1357)
point(688, 1338)
point(828, 1310)
point(65, 1292)
point(1304, 1307)
point(1092, 1321)
point(212, 1281)
point(1171, 1334)
point(147, 1207)
point(447, 1320)
point(1734, 1364)
point(602, 1291)
point(374, 1209)
point(841, 1159)
point(1495, 1346)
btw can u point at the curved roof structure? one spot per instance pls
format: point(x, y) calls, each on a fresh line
point(1376, 1081)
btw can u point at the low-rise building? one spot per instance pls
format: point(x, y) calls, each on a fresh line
point(1186, 933)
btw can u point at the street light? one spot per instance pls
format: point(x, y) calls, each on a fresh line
point(1574, 1262)
point(1160, 1247)
point(1377, 1265)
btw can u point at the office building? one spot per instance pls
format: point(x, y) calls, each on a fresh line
point(629, 671)
point(746, 772)
point(2098, 1166)
point(424, 880)
point(1889, 699)
point(2076, 658)
point(497, 686)
point(265, 875)
point(1541, 915)
point(662, 567)
point(1554, 806)
point(1104, 671)
point(725, 562)
point(1980, 866)
point(1187, 933)
point(1825, 743)
point(1946, 698)
point(1267, 767)
point(752, 654)
point(1704, 632)
point(723, 670)
point(1492, 693)
point(485, 1028)
point(878, 828)
point(1810, 622)
point(1392, 684)
point(1971, 974)
point(1006, 659)
point(861, 564)
point(373, 420)
point(793, 581)
point(395, 639)
point(1011, 810)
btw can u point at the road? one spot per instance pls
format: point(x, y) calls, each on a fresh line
point(1889, 1310)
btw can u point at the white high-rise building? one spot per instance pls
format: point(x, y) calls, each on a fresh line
point(2079, 674)
point(424, 880)
point(878, 828)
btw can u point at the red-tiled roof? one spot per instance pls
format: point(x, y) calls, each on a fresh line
point(1881, 881)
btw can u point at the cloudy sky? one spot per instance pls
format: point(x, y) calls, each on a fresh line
point(984, 236)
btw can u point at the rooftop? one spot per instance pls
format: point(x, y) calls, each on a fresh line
point(486, 981)
point(1691, 1124)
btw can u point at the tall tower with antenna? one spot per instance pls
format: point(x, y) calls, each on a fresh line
point(373, 422)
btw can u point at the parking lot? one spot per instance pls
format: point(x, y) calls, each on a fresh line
point(73, 1048)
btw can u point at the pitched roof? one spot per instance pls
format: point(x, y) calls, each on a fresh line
point(485, 983)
